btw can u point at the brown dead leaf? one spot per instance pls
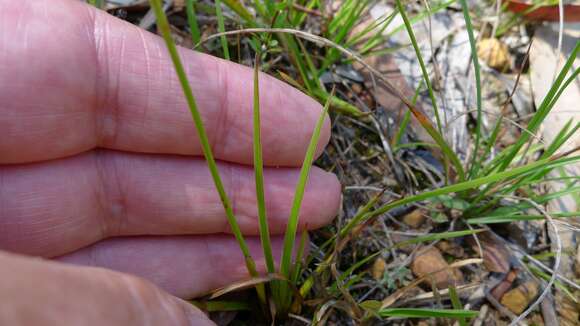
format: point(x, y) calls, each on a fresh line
point(378, 269)
point(518, 299)
point(502, 287)
point(496, 258)
point(244, 284)
point(414, 219)
point(431, 261)
point(494, 53)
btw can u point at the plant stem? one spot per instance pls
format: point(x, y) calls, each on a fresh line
point(192, 20)
point(222, 28)
point(476, 68)
point(163, 26)
point(259, 173)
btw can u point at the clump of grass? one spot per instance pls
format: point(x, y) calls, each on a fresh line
point(282, 293)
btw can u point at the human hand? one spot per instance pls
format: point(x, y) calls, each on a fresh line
point(100, 165)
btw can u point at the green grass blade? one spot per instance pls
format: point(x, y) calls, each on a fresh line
point(290, 235)
point(259, 174)
point(221, 29)
point(420, 16)
point(456, 303)
point(545, 108)
point(490, 143)
point(563, 135)
point(518, 217)
point(340, 34)
point(241, 11)
point(557, 283)
point(426, 313)
point(297, 268)
point(270, 7)
point(192, 20)
point(296, 58)
point(406, 119)
point(310, 64)
point(426, 77)
point(97, 3)
point(301, 16)
point(347, 7)
point(222, 305)
point(436, 237)
point(163, 26)
point(565, 84)
point(260, 9)
point(281, 291)
point(378, 38)
point(361, 35)
point(477, 73)
point(449, 154)
point(337, 104)
point(570, 181)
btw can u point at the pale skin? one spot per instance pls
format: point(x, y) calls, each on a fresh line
point(108, 214)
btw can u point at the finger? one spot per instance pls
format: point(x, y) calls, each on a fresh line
point(187, 266)
point(56, 207)
point(37, 292)
point(102, 82)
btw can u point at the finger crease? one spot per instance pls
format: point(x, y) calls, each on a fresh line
point(114, 214)
point(106, 87)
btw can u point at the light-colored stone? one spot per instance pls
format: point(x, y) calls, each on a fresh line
point(494, 53)
point(518, 299)
point(430, 261)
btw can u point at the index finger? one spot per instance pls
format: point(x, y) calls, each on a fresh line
point(74, 78)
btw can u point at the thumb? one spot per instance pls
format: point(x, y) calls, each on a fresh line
point(39, 292)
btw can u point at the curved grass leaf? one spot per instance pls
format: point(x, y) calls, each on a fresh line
point(192, 21)
point(291, 228)
point(426, 78)
point(545, 107)
point(259, 174)
point(221, 29)
point(476, 68)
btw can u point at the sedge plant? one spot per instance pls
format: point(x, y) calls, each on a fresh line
point(283, 292)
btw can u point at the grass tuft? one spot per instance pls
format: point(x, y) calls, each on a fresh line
point(259, 174)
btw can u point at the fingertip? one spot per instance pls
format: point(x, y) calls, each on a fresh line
point(322, 199)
